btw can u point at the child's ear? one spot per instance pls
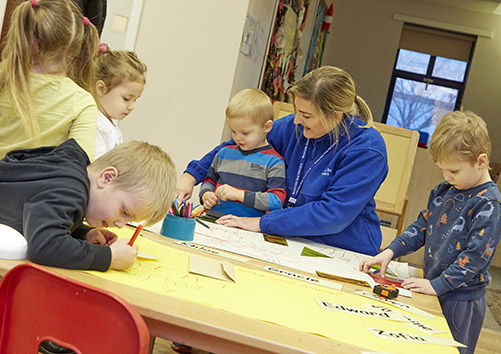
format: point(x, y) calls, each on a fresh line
point(483, 161)
point(101, 89)
point(106, 176)
point(268, 125)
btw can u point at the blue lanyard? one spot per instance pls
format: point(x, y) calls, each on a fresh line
point(299, 184)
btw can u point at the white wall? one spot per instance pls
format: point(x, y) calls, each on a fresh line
point(191, 50)
point(118, 13)
point(248, 70)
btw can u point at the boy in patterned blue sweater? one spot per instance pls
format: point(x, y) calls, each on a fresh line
point(247, 178)
point(459, 229)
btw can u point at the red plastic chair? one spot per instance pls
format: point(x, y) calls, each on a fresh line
point(37, 304)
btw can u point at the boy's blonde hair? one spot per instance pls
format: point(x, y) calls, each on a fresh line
point(251, 103)
point(115, 66)
point(460, 135)
point(145, 170)
point(52, 31)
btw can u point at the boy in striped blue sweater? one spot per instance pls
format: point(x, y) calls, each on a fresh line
point(247, 178)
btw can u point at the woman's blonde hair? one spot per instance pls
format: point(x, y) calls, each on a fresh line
point(461, 135)
point(41, 33)
point(251, 103)
point(115, 66)
point(145, 170)
point(330, 90)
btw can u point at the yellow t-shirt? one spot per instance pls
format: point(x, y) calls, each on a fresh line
point(64, 110)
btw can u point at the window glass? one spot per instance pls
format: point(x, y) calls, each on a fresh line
point(449, 69)
point(413, 62)
point(420, 106)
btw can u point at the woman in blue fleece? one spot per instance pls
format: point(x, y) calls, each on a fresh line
point(335, 162)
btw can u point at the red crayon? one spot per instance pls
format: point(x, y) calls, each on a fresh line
point(138, 230)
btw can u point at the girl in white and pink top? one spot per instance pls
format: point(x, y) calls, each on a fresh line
point(120, 79)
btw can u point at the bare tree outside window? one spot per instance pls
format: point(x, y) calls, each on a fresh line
point(424, 88)
point(416, 105)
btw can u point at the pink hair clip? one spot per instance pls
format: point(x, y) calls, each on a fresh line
point(86, 21)
point(103, 48)
point(34, 3)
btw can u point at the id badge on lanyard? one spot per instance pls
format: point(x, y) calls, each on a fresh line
point(298, 183)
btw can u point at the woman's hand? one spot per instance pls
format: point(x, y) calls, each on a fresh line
point(250, 224)
point(184, 187)
point(101, 237)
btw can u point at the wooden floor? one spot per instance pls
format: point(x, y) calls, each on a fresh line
point(162, 346)
point(489, 342)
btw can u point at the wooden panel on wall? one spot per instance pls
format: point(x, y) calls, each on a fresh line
point(425, 176)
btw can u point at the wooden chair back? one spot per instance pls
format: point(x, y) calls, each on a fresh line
point(282, 109)
point(401, 146)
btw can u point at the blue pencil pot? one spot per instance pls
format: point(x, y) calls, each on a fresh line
point(178, 227)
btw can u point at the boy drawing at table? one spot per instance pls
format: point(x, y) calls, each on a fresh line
point(47, 192)
point(247, 178)
point(459, 229)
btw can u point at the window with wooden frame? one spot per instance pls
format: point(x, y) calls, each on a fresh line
point(429, 78)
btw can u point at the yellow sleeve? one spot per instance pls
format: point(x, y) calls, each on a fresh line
point(84, 126)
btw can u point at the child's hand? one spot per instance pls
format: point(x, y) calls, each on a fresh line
point(122, 255)
point(184, 187)
point(209, 199)
point(250, 224)
point(419, 285)
point(101, 237)
point(226, 192)
point(383, 259)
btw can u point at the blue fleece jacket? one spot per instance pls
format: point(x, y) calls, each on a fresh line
point(460, 232)
point(335, 205)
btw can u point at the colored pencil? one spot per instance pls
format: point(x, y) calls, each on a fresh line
point(200, 212)
point(136, 233)
point(202, 223)
point(186, 209)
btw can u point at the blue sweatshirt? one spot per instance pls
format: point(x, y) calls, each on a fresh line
point(335, 205)
point(460, 232)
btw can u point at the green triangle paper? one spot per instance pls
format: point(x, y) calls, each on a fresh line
point(308, 252)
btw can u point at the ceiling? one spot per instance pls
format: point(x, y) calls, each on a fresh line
point(488, 6)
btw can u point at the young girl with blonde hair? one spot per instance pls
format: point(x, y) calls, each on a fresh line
point(46, 68)
point(120, 79)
